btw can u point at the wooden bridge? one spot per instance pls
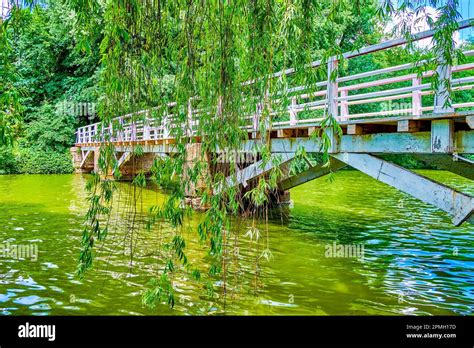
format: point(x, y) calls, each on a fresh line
point(435, 134)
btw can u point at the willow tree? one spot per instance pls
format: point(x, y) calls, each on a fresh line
point(10, 94)
point(225, 57)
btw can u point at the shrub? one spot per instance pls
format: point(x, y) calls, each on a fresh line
point(8, 163)
point(33, 161)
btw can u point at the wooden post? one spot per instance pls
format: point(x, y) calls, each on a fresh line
point(408, 126)
point(121, 132)
point(189, 131)
point(355, 129)
point(332, 103)
point(256, 119)
point(344, 105)
point(166, 131)
point(95, 132)
point(133, 131)
point(332, 87)
point(111, 131)
point(442, 96)
point(268, 120)
point(292, 111)
point(146, 126)
point(416, 98)
point(442, 136)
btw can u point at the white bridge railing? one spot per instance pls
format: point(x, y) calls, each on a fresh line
point(308, 106)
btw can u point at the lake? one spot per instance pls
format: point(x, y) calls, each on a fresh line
point(407, 256)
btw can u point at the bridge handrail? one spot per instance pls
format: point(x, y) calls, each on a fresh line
point(336, 97)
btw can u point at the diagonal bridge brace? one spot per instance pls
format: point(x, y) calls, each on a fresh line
point(256, 169)
point(124, 158)
point(311, 174)
point(84, 157)
point(448, 162)
point(459, 205)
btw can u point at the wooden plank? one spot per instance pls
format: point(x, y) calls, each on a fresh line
point(84, 158)
point(285, 133)
point(401, 90)
point(408, 126)
point(355, 129)
point(311, 130)
point(387, 92)
point(419, 142)
point(396, 79)
point(381, 82)
point(375, 72)
point(426, 117)
point(387, 143)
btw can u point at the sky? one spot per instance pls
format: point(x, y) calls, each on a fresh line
point(466, 9)
point(3, 8)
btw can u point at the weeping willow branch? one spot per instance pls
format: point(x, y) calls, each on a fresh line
point(211, 50)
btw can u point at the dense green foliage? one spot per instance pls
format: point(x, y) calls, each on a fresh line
point(48, 76)
point(200, 56)
point(212, 50)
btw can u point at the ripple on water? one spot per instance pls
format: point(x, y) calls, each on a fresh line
point(411, 251)
point(28, 300)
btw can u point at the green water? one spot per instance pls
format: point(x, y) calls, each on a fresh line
point(414, 260)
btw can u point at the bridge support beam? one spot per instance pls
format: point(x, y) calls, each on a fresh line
point(191, 191)
point(252, 172)
point(442, 136)
point(82, 161)
point(311, 174)
point(124, 157)
point(447, 162)
point(257, 169)
point(459, 205)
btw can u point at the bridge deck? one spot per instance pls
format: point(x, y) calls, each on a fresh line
point(399, 92)
point(402, 123)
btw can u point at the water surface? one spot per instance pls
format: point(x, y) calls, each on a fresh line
point(414, 262)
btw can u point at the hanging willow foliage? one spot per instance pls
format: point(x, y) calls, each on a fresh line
point(212, 49)
point(10, 94)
